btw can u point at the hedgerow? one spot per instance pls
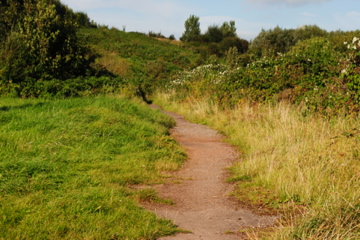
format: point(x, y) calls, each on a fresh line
point(312, 74)
point(55, 88)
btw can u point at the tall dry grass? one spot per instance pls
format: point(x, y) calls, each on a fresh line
point(308, 160)
point(114, 63)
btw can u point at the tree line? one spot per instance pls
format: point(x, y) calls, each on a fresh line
point(218, 39)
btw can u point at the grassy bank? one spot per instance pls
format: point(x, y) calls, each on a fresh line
point(66, 167)
point(288, 159)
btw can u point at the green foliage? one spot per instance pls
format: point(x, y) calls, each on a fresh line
point(55, 88)
point(155, 35)
point(146, 62)
point(241, 45)
point(214, 34)
point(192, 29)
point(308, 31)
point(43, 44)
point(82, 19)
point(228, 29)
point(312, 74)
point(66, 167)
point(273, 41)
point(232, 57)
point(270, 42)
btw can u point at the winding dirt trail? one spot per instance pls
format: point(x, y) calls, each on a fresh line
point(201, 196)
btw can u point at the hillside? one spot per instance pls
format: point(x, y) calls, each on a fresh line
point(141, 61)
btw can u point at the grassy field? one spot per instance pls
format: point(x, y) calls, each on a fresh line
point(290, 163)
point(66, 167)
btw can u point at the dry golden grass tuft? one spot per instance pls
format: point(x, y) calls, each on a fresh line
point(174, 42)
point(114, 63)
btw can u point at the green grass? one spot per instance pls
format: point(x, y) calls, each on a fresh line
point(137, 56)
point(66, 167)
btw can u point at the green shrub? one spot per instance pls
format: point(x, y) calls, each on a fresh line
point(312, 74)
point(43, 44)
point(55, 88)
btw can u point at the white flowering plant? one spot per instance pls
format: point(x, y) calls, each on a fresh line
point(314, 73)
point(354, 51)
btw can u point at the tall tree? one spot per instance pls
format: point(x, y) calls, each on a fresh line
point(228, 29)
point(214, 34)
point(192, 29)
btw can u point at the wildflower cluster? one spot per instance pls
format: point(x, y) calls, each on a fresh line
point(354, 51)
point(214, 73)
point(355, 44)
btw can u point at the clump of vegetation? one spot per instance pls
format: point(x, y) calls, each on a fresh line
point(217, 40)
point(41, 50)
point(144, 63)
point(41, 43)
point(313, 74)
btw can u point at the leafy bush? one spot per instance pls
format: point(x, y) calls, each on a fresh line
point(43, 44)
point(273, 41)
point(312, 74)
point(55, 88)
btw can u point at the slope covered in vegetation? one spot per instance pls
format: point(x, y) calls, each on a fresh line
point(142, 62)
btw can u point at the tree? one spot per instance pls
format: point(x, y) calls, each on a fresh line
point(43, 44)
point(277, 40)
point(214, 34)
point(192, 29)
point(10, 13)
point(228, 29)
point(309, 31)
point(273, 41)
point(241, 45)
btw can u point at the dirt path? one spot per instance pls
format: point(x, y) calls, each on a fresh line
point(202, 202)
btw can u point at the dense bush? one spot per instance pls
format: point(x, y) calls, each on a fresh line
point(312, 74)
point(273, 41)
point(55, 88)
point(41, 43)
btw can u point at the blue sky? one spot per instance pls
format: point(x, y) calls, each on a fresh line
point(250, 16)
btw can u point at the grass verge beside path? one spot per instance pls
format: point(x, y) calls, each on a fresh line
point(65, 167)
point(290, 161)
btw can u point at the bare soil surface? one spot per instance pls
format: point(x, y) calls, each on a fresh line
point(201, 195)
